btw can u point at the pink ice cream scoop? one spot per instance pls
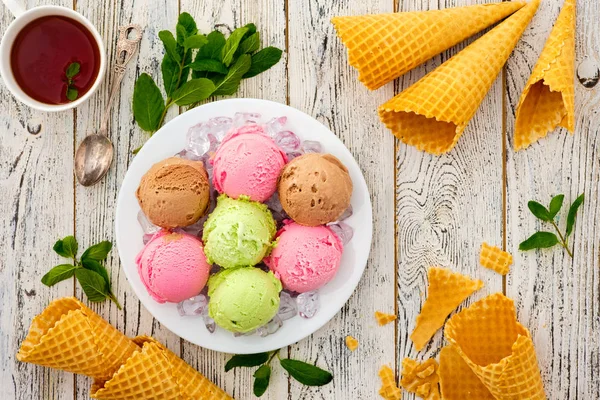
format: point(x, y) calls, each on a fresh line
point(248, 162)
point(173, 266)
point(305, 257)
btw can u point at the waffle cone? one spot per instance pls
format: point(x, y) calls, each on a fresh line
point(432, 114)
point(497, 348)
point(457, 380)
point(548, 100)
point(69, 336)
point(445, 291)
point(383, 47)
point(155, 373)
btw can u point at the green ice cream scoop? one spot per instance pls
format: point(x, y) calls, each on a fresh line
point(238, 233)
point(243, 299)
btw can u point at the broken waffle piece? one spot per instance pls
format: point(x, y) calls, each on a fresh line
point(457, 381)
point(445, 292)
point(421, 378)
point(351, 343)
point(494, 258)
point(384, 319)
point(389, 389)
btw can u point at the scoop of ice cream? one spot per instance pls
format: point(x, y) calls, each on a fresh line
point(173, 266)
point(243, 299)
point(305, 257)
point(174, 192)
point(315, 189)
point(247, 163)
point(238, 233)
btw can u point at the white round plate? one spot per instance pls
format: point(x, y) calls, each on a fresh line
point(169, 140)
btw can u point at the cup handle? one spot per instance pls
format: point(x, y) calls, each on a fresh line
point(15, 7)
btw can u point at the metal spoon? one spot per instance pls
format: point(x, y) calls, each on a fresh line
point(95, 154)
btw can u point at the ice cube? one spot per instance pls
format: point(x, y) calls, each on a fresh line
point(287, 307)
point(274, 203)
point(220, 126)
point(209, 323)
point(346, 214)
point(146, 238)
point(343, 231)
point(311, 146)
point(262, 331)
point(308, 304)
point(287, 141)
point(193, 306)
point(147, 226)
point(275, 125)
point(241, 119)
point(293, 154)
point(196, 228)
point(274, 325)
point(198, 141)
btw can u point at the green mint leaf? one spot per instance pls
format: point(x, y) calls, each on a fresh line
point(262, 376)
point(186, 27)
point(539, 211)
point(98, 268)
point(72, 70)
point(231, 45)
point(170, 45)
point(181, 34)
point(250, 44)
point(246, 360)
point(263, 60)
point(556, 204)
point(97, 252)
point(72, 93)
point(66, 247)
point(306, 374)
point(212, 49)
point(208, 65)
point(539, 240)
point(230, 83)
point(195, 42)
point(170, 72)
point(193, 91)
point(148, 103)
point(58, 273)
point(94, 286)
point(251, 30)
point(573, 214)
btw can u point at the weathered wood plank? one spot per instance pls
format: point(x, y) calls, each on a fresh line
point(269, 17)
point(446, 206)
point(96, 205)
point(322, 83)
point(36, 187)
point(557, 297)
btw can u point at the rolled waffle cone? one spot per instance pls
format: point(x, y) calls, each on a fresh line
point(69, 336)
point(445, 291)
point(383, 47)
point(155, 373)
point(457, 381)
point(497, 348)
point(548, 99)
point(432, 114)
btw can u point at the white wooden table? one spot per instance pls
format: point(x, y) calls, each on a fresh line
point(427, 210)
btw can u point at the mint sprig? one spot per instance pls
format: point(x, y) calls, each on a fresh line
point(543, 240)
point(305, 373)
point(216, 64)
point(91, 274)
point(72, 71)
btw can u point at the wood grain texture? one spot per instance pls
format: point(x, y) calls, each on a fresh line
point(447, 206)
point(557, 297)
point(96, 205)
point(322, 84)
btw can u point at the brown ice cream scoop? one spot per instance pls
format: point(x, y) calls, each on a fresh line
point(315, 189)
point(174, 192)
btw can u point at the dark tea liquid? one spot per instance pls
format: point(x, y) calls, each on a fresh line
point(42, 52)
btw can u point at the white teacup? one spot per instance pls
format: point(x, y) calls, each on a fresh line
point(22, 18)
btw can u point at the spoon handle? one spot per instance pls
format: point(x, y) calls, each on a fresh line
point(126, 48)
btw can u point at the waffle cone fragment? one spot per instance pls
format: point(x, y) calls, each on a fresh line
point(497, 348)
point(69, 336)
point(383, 47)
point(421, 378)
point(548, 99)
point(445, 292)
point(457, 381)
point(432, 114)
point(494, 258)
point(389, 390)
point(383, 318)
point(155, 373)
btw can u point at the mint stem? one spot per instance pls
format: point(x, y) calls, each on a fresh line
point(563, 242)
point(275, 353)
point(114, 299)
